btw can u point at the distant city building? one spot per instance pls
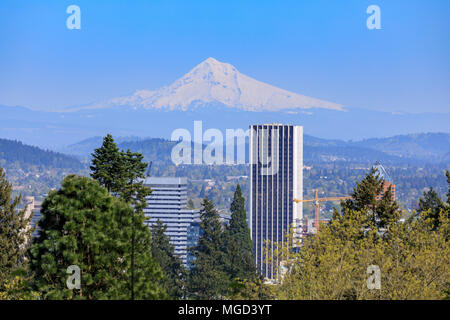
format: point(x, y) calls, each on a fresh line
point(231, 178)
point(167, 203)
point(34, 207)
point(388, 183)
point(276, 178)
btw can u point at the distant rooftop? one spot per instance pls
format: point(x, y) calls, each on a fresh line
point(277, 124)
point(165, 180)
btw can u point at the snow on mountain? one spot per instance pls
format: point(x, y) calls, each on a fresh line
point(215, 82)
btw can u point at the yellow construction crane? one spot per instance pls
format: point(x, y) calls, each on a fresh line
point(316, 201)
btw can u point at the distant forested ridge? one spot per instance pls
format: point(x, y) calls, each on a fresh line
point(415, 162)
point(424, 146)
point(16, 152)
point(34, 171)
point(414, 149)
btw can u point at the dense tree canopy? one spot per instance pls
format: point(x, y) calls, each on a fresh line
point(431, 205)
point(15, 233)
point(207, 278)
point(366, 198)
point(83, 225)
point(412, 258)
point(164, 254)
point(238, 246)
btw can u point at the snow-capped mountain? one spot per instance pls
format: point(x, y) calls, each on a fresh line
point(216, 82)
point(222, 98)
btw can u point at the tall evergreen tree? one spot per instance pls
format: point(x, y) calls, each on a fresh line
point(107, 167)
point(83, 225)
point(164, 253)
point(387, 211)
point(133, 191)
point(382, 211)
point(207, 278)
point(431, 205)
point(15, 232)
point(238, 245)
point(122, 173)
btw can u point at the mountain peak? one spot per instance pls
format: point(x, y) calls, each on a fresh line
point(212, 82)
point(213, 63)
point(211, 60)
point(212, 70)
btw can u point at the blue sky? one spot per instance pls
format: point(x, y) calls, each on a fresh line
point(318, 48)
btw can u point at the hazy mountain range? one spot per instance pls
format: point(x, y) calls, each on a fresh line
point(219, 95)
point(414, 148)
point(411, 149)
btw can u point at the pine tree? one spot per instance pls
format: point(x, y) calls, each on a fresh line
point(132, 176)
point(107, 167)
point(431, 205)
point(131, 189)
point(238, 245)
point(382, 212)
point(15, 232)
point(387, 210)
point(207, 278)
point(164, 254)
point(122, 174)
point(83, 225)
